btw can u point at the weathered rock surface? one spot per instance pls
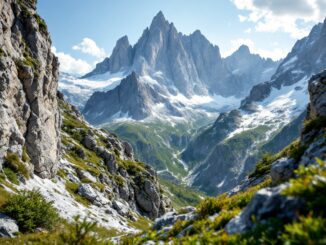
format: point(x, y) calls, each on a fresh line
point(317, 92)
point(29, 111)
point(8, 226)
point(266, 203)
point(282, 170)
point(171, 218)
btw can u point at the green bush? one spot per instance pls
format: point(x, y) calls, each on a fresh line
point(315, 124)
point(307, 230)
point(31, 211)
point(263, 166)
point(81, 233)
point(11, 175)
point(311, 186)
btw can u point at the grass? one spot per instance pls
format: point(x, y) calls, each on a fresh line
point(141, 223)
point(181, 195)
point(14, 163)
point(315, 124)
point(11, 175)
point(2, 52)
point(295, 151)
point(155, 142)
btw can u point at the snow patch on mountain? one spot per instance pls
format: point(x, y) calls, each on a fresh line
point(280, 108)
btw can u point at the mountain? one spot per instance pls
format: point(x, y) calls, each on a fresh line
point(51, 160)
point(249, 69)
point(307, 57)
point(176, 67)
point(281, 202)
point(268, 119)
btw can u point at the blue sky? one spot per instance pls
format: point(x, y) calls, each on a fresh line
point(84, 31)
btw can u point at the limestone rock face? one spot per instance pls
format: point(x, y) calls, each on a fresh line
point(317, 91)
point(29, 112)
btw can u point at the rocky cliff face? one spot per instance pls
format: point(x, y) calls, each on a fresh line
point(30, 119)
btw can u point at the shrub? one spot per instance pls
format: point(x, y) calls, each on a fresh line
point(31, 210)
point(263, 166)
point(11, 175)
point(311, 186)
point(307, 230)
point(315, 124)
point(80, 233)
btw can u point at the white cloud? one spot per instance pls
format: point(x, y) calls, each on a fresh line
point(275, 53)
point(242, 18)
point(294, 17)
point(71, 65)
point(89, 46)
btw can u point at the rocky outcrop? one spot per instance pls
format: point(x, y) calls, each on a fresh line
point(8, 226)
point(30, 118)
point(117, 181)
point(317, 92)
point(267, 203)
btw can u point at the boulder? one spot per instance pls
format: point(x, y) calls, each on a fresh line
point(87, 191)
point(8, 226)
point(89, 142)
point(85, 175)
point(170, 218)
point(266, 203)
point(282, 170)
point(120, 208)
point(128, 150)
point(317, 92)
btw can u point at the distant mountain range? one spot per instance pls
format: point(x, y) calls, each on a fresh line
point(171, 67)
point(164, 93)
point(269, 118)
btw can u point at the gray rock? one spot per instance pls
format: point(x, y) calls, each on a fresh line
point(85, 175)
point(8, 226)
point(87, 191)
point(317, 92)
point(148, 199)
point(89, 142)
point(121, 208)
point(266, 203)
point(28, 93)
point(128, 150)
point(71, 177)
point(170, 218)
point(282, 170)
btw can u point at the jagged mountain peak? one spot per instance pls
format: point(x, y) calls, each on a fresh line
point(243, 49)
point(159, 21)
point(123, 41)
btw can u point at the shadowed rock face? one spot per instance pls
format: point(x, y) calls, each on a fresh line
point(28, 86)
